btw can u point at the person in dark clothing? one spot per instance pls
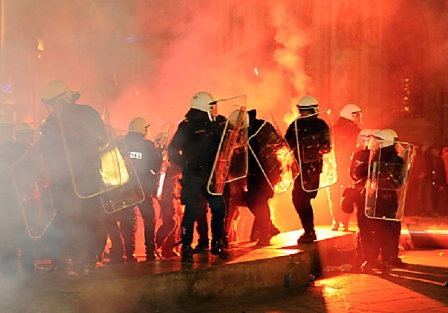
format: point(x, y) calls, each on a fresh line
point(359, 168)
point(419, 188)
point(13, 229)
point(194, 148)
point(72, 137)
point(309, 136)
point(383, 231)
point(202, 230)
point(237, 191)
point(259, 190)
point(169, 200)
point(113, 168)
point(144, 157)
point(171, 213)
point(344, 134)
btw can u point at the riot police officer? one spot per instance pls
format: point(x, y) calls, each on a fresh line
point(385, 229)
point(144, 157)
point(359, 168)
point(345, 133)
point(259, 190)
point(194, 148)
point(12, 225)
point(72, 137)
point(309, 136)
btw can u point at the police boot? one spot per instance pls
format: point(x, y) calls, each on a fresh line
point(219, 250)
point(187, 254)
point(334, 225)
point(274, 230)
point(264, 240)
point(151, 253)
point(307, 238)
point(225, 242)
point(202, 247)
point(130, 258)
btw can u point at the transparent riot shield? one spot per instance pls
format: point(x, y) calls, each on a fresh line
point(122, 185)
point(82, 132)
point(239, 157)
point(231, 158)
point(387, 182)
point(32, 185)
point(166, 136)
point(273, 155)
point(314, 144)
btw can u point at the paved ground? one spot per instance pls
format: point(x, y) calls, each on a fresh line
point(417, 288)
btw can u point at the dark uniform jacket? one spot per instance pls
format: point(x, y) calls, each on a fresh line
point(195, 144)
point(145, 159)
point(359, 166)
point(84, 134)
point(261, 133)
point(345, 134)
point(313, 135)
point(390, 168)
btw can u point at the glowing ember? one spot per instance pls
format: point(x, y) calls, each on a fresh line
point(329, 174)
point(289, 169)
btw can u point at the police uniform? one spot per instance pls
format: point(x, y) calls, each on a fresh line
point(145, 159)
point(388, 231)
point(12, 225)
point(359, 168)
point(71, 139)
point(171, 212)
point(258, 189)
point(313, 135)
point(194, 148)
point(345, 135)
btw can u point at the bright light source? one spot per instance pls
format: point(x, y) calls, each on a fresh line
point(40, 44)
point(256, 71)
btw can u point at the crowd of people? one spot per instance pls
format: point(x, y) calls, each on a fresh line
point(68, 206)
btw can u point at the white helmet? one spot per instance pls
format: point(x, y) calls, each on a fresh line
point(138, 125)
point(203, 101)
point(366, 133)
point(56, 90)
point(308, 103)
point(349, 111)
point(387, 137)
point(364, 137)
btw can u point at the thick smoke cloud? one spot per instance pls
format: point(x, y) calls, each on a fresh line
point(221, 50)
point(152, 56)
point(149, 55)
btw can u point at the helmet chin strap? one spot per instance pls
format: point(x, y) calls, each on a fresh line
point(48, 107)
point(211, 117)
point(212, 112)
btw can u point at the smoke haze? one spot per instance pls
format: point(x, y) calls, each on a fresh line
point(148, 58)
